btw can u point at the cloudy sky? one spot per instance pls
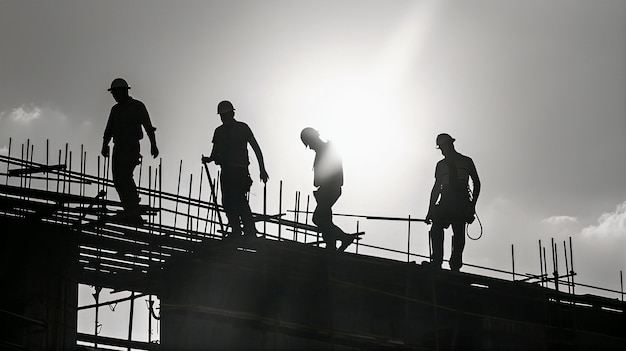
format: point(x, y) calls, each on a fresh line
point(534, 91)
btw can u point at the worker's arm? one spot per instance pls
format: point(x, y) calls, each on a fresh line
point(150, 129)
point(434, 195)
point(259, 156)
point(106, 139)
point(476, 181)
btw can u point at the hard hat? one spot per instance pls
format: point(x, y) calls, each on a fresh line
point(308, 134)
point(118, 83)
point(444, 138)
point(224, 106)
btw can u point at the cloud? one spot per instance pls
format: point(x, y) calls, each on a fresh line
point(4, 150)
point(609, 224)
point(559, 220)
point(23, 114)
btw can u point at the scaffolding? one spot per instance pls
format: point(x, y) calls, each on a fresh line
point(126, 257)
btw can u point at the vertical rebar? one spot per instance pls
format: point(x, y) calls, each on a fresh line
point(296, 214)
point(621, 283)
point(160, 194)
point(59, 173)
point(81, 187)
point(47, 160)
point(555, 265)
point(408, 240)
point(306, 218)
point(199, 199)
point(180, 170)
point(189, 206)
point(69, 169)
point(356, 250)
point(545, 266)
point(6, 179)
point(540, 264)
point(130, 318)
point(65, 163)
point(96, 296)
point(571, 266)
point(30, 176)
point(567, 275)
point(280, 207)
point(513, 260)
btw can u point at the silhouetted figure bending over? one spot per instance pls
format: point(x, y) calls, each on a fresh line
point(456, 204)
point(328, 178)
point(126, 119)
point(230, 152)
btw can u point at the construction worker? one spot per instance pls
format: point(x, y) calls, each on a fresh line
point(456, 206)
point(126, 119)
point(328, 178)
point(230, 152)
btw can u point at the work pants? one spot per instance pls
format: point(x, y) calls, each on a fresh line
point(236, 182)
point(458, 244)
point(323, 215)
point(125, 159)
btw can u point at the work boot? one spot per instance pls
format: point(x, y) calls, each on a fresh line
point(345, 242)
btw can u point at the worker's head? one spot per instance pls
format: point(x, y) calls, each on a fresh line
point(226, 110)
point(119, 89)
point(445, 142)
point(310, 137)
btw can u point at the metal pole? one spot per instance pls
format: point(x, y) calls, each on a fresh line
point(130, 319)
point(295, 215)
point(540, 263)
point(180, 170)
point(571, 266)
point(199, 199)
point(567, 275)
point(621, 283)
point(408, 241)
point(280, 207)
point(513, 260)
point(189, 205)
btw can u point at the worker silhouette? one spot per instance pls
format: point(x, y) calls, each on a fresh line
point(124, 126)
point(456, 205)
point(328, 178)
point(230, 152)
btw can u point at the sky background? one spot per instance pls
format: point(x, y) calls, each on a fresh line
point(534, 91)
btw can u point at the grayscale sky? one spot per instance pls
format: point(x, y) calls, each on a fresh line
point(534, 91)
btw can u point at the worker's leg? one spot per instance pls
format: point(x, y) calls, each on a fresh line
point(436, 243)
point(458, 244)
point(123, 166)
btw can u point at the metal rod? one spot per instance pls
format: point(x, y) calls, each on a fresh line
point(180, 170)
point(47, 159)
point(6, 180)
point(513, 260)
point(569, 287)
point(295, 215)
point(571, 266)
point(555, 265)
point(408, 240)
point(545, 265)
point(189, 203)
point(621, 283)
point(199, 199)
point(280, 207)
point(540, 264)
point(130, 319)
